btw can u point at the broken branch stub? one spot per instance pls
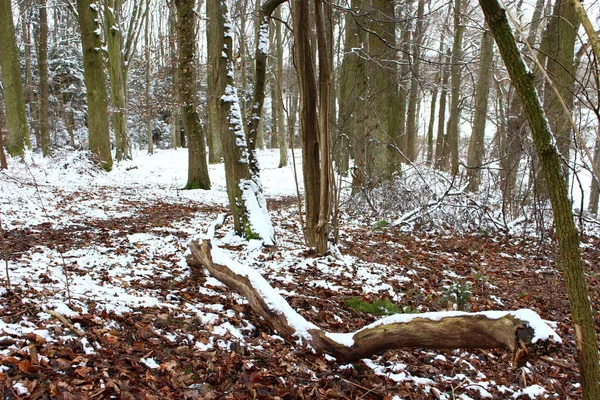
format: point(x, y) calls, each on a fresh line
point(521, 332)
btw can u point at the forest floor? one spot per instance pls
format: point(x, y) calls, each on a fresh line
point(101, 303)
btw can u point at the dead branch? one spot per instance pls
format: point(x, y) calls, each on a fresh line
point(431, 330)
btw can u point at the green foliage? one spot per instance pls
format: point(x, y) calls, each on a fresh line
point(249, 234)
point(381, 225)
point(377, 306)
point(458, 294)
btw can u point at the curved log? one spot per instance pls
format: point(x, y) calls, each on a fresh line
point(521, 332)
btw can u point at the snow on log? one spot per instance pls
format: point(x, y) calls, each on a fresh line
point(522, 332)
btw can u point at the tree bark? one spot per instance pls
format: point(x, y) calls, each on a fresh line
point(279, 99)
point(441, 155)
point(244, 188)
point(560, 66)
point(258, 98)
point(415, 87)
point(116, 74)
point(14, 99)
point(95, 83)
point(43, 73)
point(309, 127)
point(431, 330)
point(476, 144)
point(453, 132)
point(570, 255)
point(214, 46)
point(188, 95)
point(148, 113)
point(3, 163)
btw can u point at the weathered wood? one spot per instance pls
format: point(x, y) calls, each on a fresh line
point(431, 330)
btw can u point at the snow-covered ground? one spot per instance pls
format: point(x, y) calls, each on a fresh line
point(91, 246)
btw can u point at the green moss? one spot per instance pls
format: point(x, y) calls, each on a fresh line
point(377, 306)
point(192, 186)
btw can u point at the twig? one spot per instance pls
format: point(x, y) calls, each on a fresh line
point(62, 319)
point(559, 364)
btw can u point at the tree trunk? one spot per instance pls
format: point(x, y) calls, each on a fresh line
point(476, 145)
point(262, 51)
point(352, 88)
point(116, 74)
point(514, 331)
point(176, 107)
point(453, 133)
point(441, 155)
point(14, 99)
point(415, 87)
point(3, 163)
point(309, 126)
point(570, 255)
point(595, 186)
point(148, 113)
point(188, 95)
point(95, 83)
point(214, 47)
point(281, 136)
point(560, 66)
point(244, 188)
point(43, 72)
point(325, 55)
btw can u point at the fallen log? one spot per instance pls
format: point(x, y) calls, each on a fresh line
point(521, 332)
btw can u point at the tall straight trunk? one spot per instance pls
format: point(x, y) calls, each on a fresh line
point(560, 65)
point(188, 95)
point(31, 98)
point(595, 186)
point(281, 136)
point(351, 93)
point(453, 132)
point(570, 261)
point(441, 156)
point(476, 144)
point(3, 163)
point(43, 73)
point(415, 87)
point(253, 129)
point(325, 56)
point(309, 120)
point(95, 83)
point(173, 51)
point(116, 73)
point(14, 99)
point(148, 113)
point(398, 98)
point(215, 152)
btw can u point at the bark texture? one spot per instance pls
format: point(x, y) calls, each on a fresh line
point(476, 144)
point(95, 83)
point(14, 98)
point(570, 255)
point(117, 76)
point(43, 74)
point(458, 331)
point(188, 96)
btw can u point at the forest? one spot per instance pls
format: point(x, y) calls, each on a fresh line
point(299, 199)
